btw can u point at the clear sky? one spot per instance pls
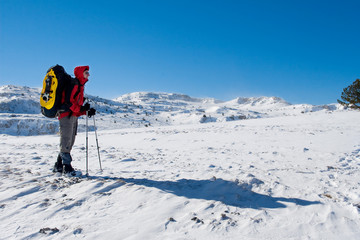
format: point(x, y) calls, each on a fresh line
point(303, 51)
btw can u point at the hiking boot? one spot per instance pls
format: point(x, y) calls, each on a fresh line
point(68, 168)
point(58, 167)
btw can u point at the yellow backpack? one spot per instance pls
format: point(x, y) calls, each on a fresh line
point(55, 91)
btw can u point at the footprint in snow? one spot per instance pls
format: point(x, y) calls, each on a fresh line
point(49, 231)
point(128, 160)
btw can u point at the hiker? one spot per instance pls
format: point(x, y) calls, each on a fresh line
point(68, 119)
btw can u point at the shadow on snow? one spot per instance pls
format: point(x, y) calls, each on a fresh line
point(228, 192)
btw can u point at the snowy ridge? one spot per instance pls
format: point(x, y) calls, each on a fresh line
point(14, 99)
point(150, 96)
point(20, 110)
point(262, 101)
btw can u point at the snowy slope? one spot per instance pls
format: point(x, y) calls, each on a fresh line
point(284, 177)
point(19, 110)
point(14, 99)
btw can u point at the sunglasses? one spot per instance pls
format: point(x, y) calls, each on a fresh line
point(87, 72)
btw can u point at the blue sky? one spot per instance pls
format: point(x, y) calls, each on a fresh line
point(303, 51)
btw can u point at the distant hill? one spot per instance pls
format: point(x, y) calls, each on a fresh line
point(20, 110)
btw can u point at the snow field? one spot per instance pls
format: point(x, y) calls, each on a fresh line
point(291, 177)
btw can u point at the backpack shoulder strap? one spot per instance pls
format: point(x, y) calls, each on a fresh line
point(75, 81)
point(66, 102)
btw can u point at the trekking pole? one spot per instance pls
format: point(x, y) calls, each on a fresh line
point(87, 145)
point(97, 143)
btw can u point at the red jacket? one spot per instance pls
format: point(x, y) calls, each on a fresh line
point(77, 100)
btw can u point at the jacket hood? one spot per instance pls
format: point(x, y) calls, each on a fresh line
point(79, 74)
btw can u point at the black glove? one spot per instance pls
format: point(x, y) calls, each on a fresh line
point(85, 108)
point(91, 112)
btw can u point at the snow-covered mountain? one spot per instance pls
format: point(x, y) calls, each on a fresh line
point(158, 97)
point(14, 99)
point(20, 110)
point(261, 101)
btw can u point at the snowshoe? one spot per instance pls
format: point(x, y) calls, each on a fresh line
point(68, 169)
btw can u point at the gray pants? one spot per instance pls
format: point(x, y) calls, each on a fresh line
point(68, 130)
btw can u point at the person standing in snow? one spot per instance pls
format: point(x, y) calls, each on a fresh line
point(68, 119)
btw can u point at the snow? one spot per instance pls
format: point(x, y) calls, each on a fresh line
point(285, 172)
point(20, 110)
